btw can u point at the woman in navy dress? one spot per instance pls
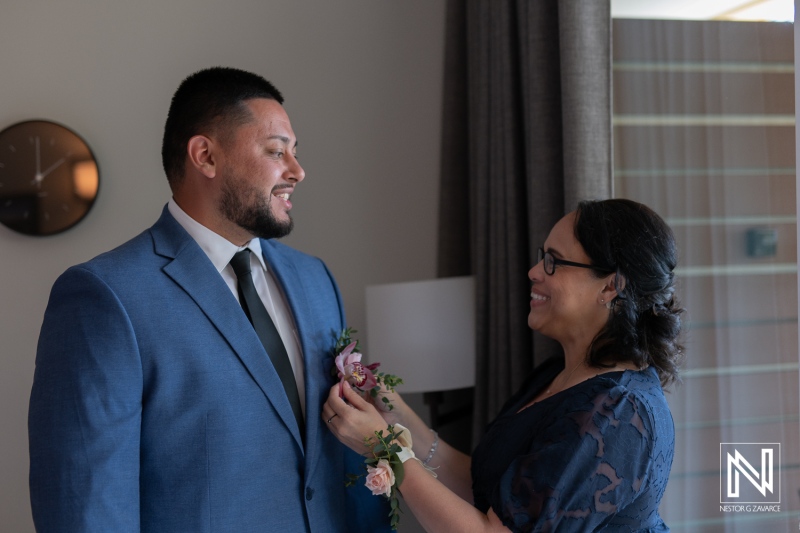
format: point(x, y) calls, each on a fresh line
point(587, 443)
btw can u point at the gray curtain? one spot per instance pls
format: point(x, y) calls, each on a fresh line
point(527, 134)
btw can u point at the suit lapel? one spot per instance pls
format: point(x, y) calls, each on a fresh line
point(191, 269)
point(305, 320)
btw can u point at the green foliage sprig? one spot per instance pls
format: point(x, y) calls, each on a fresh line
point(384, 447)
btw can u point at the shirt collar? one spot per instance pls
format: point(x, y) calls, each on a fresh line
point(218, 249)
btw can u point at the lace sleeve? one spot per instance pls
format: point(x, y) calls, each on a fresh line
point(582, 469)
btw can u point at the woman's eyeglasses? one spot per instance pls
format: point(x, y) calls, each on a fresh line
point(550, 263)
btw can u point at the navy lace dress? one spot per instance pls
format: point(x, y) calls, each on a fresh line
point(594, 457)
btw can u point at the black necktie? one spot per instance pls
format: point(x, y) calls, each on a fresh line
point(266, 330)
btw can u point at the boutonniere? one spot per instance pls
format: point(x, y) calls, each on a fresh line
point(364, 378)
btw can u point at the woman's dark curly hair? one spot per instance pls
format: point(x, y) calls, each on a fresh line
point(630, 239)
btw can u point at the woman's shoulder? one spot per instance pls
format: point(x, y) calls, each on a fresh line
point(632, 396)
point(644, 385)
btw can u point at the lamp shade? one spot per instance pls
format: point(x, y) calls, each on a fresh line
point(424, 332)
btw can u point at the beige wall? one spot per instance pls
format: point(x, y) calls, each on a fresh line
point(362, 80)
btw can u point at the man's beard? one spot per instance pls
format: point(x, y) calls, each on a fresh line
point(256, 217)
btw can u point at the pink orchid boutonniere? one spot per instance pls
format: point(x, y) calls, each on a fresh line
point(364, 378)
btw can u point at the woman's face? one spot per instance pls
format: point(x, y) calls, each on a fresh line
point(566, 306)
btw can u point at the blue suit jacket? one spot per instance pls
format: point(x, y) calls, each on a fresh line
point(156, 408)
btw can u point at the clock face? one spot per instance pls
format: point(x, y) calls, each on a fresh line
point(48, 178)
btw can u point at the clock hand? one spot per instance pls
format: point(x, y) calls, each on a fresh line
point(37, 179)
point(38, 157)
point(41, 175)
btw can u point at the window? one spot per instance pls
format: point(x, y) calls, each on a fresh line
point(704, 133)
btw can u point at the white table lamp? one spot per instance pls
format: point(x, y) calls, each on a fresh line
point(424, 332)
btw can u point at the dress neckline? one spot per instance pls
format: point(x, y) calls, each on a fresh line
point(533, 391)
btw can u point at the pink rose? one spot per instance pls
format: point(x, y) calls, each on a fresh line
point(350, 369)
point(380, 478)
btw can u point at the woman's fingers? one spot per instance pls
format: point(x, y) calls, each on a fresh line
point(354, 398)
point(343, 399)
point(333, 395)
point(352, 419)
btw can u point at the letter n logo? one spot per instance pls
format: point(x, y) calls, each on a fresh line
point(747, 472)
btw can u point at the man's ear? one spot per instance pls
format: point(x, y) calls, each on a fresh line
point(201, 155)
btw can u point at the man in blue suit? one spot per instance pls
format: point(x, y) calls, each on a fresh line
point(155, 406)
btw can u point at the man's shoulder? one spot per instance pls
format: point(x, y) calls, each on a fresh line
point(124, 254)
point(164, 238)
point(128, 263)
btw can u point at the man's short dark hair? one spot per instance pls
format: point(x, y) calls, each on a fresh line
point(211, 100)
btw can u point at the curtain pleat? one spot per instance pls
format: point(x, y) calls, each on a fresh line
point(527, 132)
point(454, 242)
point(499, 205)
point(585, 51)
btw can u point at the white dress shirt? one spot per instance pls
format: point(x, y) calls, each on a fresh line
point(220, 251)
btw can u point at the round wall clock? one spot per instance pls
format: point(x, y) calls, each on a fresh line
point(48, 178)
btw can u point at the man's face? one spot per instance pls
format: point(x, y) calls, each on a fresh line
point(260, 171)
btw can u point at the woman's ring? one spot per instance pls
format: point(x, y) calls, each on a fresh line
point(331, 418)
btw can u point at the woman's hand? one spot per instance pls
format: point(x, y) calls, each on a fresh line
point(352, 418)
point(394, 416)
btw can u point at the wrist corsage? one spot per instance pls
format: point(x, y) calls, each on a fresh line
point(384, 466)
point(361, 377)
